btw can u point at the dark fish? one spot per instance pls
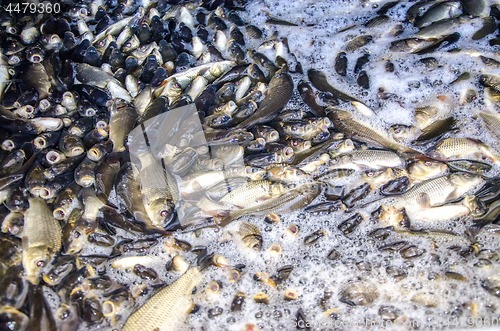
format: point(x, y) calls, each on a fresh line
point(307, 94)
point(358, 42)
point(278, 94)
point(319, 81)
point(341, 64)
point(489, 26)
point(474, 7)
point(363, 80)
point(377, 20)
point(437, 129)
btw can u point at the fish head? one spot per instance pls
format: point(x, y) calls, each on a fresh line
point(312, 189)
point(277, 189)
point(377, 177)
point(253, 241)
point(296, 129)
point(74, 237)
point(424, 169)
point(339, 161)
point(400, 132)
point(172, 87)
point(340, 115)
point(34, 260)
point(240, 135)
point(162, 211)
point(475, 205)
point(230, 153)
point(465, 182)
point(465, 179)
point(295, 174)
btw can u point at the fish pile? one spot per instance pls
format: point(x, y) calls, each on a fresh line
point(249, 165)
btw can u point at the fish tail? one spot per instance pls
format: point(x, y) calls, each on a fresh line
point(204, 260)
point(224, 218)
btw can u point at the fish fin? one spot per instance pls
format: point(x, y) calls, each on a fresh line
point(204, 259)
point(424, 201)
point(223, 218)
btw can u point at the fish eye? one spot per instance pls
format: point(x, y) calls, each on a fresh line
point(428, 163)
point(466, 174)
point(83, 11)
point(397, 131)
point(40, 263)
point(334, 161)
point(370, 174)
point(163, 213)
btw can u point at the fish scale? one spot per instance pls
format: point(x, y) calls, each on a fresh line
point(74, 83)
point(40, 228)
point(438, 190)
point(165, 309)
point(248, 194)
point(492, 122)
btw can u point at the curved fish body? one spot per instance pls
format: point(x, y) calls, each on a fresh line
point(429, 199)
point(291, 200)
point(463, 148)
point(158, 189)
point(94, 76)
point(129, 191)
point(367, 160)
point(492, 122)
point(345, 123)
point(166, 309)
point(279, 92)
point(252, 193)
point(121, 122)
point(41, 238)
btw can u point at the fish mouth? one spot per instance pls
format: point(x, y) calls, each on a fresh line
point(44, 193)
point(52, 157)
point(75, 131)
point(36, 191)
point(59, 214)
point(8, 145)
point(75, 151)
point(44, 104)
point(87, 181)
point(36, 59)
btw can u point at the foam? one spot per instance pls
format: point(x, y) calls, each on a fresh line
point(316, 47)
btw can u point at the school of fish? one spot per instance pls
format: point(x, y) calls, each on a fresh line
point(249, 165)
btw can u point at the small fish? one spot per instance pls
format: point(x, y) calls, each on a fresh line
point(41, 238)
point(366, 160)
point(291, 200)
point(278, 94)
point(122, 121)
point(252, 193)
point(319, 81)
point(358, 42)
point(462, 148)
point(345, 123)
point(166, 309)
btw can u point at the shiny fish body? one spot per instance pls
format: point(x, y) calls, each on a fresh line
point(165, 310)
point(41, 238)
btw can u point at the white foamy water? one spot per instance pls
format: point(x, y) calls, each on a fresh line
point(452, 302)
